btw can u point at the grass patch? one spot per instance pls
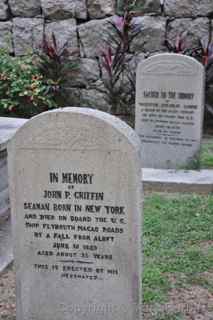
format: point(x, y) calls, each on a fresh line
point(173, 231)
point(203, 160)
point(176, 316)
point(155, 284)
point(206, 157)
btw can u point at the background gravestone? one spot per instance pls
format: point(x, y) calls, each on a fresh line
point(76, 215)
point(8, 126)
point(169, 110)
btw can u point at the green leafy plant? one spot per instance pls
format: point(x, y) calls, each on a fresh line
point(23, 90)
point(33, 84)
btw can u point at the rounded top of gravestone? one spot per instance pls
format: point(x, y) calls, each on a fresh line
point(170, 64)
point(67, 128)
point(8, 127)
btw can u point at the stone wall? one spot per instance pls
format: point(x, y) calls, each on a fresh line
point(83, 24)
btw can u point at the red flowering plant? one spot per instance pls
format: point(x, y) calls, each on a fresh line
point(204, 54)
point(55, 62)
point(125, 30)
point(179, 44)
point(117, 78)
point(207, 60)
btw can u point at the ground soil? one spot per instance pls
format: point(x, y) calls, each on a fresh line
point(188, 302)
point(7, 295)
point(194, 303)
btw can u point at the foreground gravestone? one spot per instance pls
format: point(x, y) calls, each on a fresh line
point(76, 213)
point(169, 110)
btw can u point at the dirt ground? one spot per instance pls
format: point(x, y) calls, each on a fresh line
point(191, 303)
point(188, 303)
point(7, 295)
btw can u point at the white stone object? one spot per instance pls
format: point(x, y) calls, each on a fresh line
point(8, 127)
point(169, 110)
point(75, 187)
point(172, 180)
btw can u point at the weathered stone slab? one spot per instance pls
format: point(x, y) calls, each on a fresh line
point(152, 35)
point(73, 96)
point(184, 181)
point(27, 35)
point(63, 9)
point(3, 10)
point(195, 30)
point(75, 183)
point(142, 6)
point(25, 8)
point(93, 97)
point(169, 110)
point(188, 8)
point(65, 34)
point(86, 73)
point(94, 37)
point(100, 8)
point(6, 36)
point(149, 6)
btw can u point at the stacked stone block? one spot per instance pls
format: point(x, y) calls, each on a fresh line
point(84, 26)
